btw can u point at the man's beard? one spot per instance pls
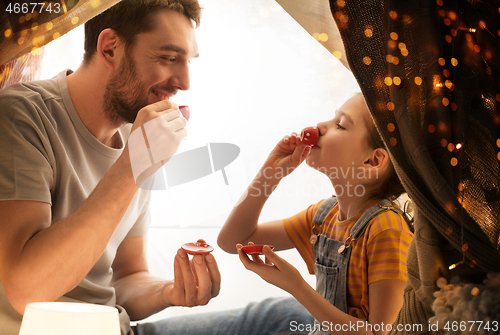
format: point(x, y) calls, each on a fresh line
point(125, 94)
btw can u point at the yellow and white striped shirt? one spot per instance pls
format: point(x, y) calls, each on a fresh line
point(380, 253)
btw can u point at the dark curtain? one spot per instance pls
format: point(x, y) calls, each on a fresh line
point(430, 72)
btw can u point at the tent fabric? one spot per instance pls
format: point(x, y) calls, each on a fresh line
point(430, 72)
point(22, 69)
point(24, 29)
point(315, 17)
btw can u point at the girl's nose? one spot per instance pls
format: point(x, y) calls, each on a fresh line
point(322, 126)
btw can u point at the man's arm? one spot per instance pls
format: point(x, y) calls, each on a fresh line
point(40, 261)
point(142, 295)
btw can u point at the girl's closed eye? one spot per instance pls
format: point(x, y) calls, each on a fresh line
point(339, 126)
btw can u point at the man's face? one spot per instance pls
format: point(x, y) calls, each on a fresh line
point(154, 68)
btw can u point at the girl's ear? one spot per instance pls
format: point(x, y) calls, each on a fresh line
point(378, 161)
point(107, 43)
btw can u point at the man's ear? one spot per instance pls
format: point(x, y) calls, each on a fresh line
point(379, 160)
point(107, 43)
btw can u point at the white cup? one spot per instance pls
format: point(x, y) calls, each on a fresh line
point(65, 318)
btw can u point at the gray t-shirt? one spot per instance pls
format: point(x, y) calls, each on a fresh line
point(47, 154)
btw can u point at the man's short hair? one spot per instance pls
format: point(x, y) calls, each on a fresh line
point(131, 17)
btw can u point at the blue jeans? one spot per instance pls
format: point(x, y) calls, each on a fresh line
point(271, 316)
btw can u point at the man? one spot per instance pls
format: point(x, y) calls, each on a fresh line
point(73, 221)
point(72, 217)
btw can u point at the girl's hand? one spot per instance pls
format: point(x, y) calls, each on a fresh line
point(274, 270)
point(288, 154)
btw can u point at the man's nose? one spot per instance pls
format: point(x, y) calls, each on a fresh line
point(180, 79)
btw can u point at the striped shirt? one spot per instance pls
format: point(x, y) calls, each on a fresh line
point(380, 253)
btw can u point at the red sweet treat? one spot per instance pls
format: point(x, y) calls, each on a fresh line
point(254, 249)
point(197, 248)
point(185, 111)
point(310, 136)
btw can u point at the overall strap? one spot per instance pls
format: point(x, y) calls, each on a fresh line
point(324, 209)
point(360, 226)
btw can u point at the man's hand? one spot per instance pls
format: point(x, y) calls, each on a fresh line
point(195, 282)
point(155, 137)
point(154, 111)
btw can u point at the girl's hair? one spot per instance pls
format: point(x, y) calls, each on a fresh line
point(389, 187)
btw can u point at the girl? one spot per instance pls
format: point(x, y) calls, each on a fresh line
point(355, 243)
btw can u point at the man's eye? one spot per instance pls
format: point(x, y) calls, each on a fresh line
point(339, 126)
point(169, 59)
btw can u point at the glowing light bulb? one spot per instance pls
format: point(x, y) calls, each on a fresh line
point(452, 266)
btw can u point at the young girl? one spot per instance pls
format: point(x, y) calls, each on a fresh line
point(355, 242)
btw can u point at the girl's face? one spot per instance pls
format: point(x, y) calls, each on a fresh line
point(342, 146)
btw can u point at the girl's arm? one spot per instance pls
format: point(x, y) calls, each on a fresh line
point(242, 224)
point(386, 297)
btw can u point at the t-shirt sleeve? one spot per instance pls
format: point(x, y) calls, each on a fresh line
point(26, 158)
point(298, 228)
point(387, 247)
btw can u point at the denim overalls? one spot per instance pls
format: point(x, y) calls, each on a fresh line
point(331, 257)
